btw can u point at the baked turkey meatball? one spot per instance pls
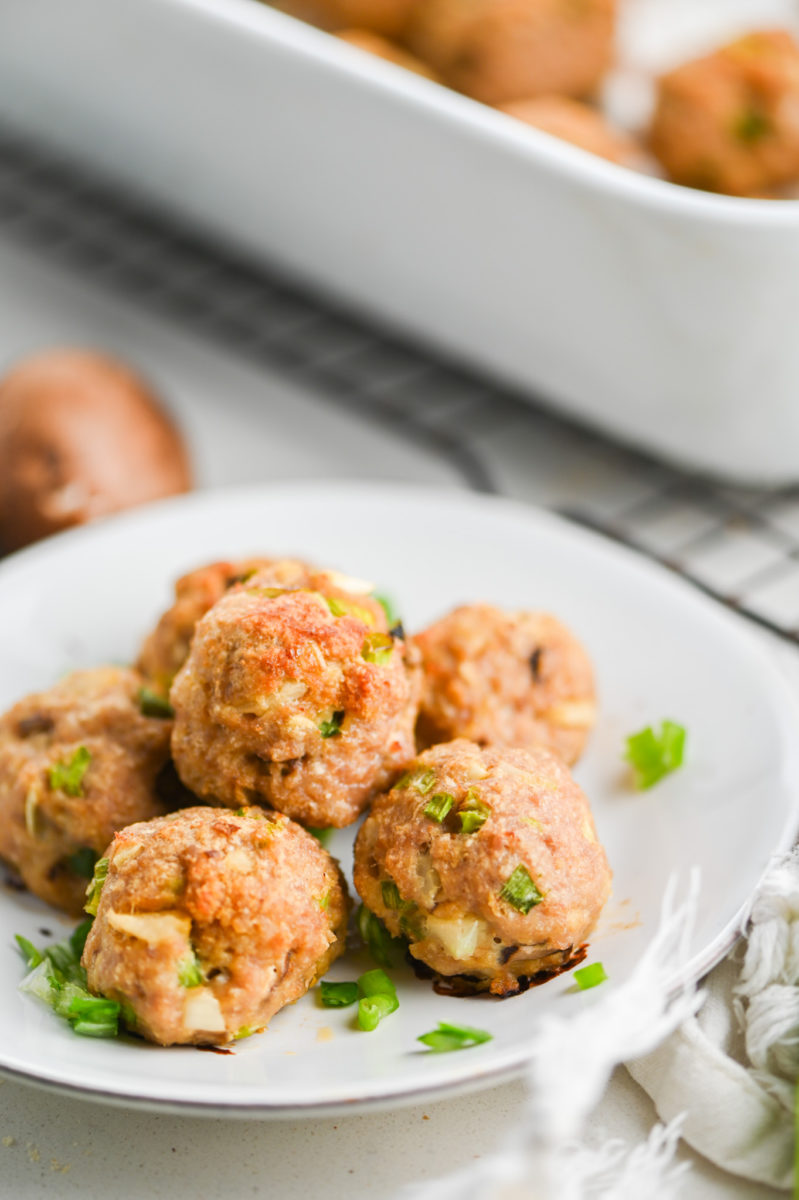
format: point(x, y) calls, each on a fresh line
point(208, 922)
point(578, 123)
point(505, 679)
point(729, 122)
point(77, 763)
point(165, 649)
point(382, 47)
point(500, 50)
point(387, 17)
point(296, 699)
point(488, 862)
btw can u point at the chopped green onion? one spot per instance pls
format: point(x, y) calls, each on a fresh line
point(245, 1032)
point(332, 727)
point(68, 776)
point(520, 890)
point(378, 999)
point(391, 895)
point(82, 862)
point(59, 981)
point(338, 995)
point(96, 886)
point(751, 126)
point(31, 955)
point(453, 1037)
point(376, 983)
point(590, 976)
point(190, 973)
point(152, 704)
point(346, 608)
point(388, 608)
point(438, 806)
point(377, 648)
point(383, 948)
point(322, 836)
point(77, 939)
point(422, 779)
point(372, 1010)
point(655, 755)
point(473, 812)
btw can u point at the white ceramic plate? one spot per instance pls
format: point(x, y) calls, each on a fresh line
point(661, 650)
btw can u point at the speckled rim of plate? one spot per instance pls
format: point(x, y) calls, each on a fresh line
point(434, 513)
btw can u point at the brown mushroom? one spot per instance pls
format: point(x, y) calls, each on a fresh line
point(81, 436)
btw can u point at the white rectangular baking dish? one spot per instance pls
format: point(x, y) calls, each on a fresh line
point(667, 317)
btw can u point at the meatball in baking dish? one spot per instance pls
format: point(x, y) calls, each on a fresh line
point(487, 860)
point(297, 699)
point(387, 17)
point(729, 122)
point(577, 123)
point(501, 50)
point(505, 679)
point(381, 47)
point(208, 922)
point(77, 763)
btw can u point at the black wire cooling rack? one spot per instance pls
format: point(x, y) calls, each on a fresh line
point(740, 545)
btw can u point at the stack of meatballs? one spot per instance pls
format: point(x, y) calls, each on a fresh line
point(274, 698)
point(726, 122)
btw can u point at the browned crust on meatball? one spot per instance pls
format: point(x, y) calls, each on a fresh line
point(278, 703)
point(41, 825)
point(450, 881)
point(249, 898)
point(164, 650)
point(577, 123)
point(505, 679)
point(501, 50)
point(729, 122)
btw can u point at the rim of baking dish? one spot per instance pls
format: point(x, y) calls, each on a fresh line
point(304, 40)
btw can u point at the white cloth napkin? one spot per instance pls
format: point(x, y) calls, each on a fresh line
point(732, 1069)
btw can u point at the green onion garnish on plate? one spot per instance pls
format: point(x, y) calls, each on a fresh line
point(654, 755)
point(453, 1037)
point(378, 999)
point(590, 976)
point(57, 979)
point(338, 995)
point(521, 891)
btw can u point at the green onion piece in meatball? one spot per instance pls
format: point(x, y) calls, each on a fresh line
point(68, 776)
point(520, 891)
point(473, 812)
point(96, 886)
point(438, 806)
